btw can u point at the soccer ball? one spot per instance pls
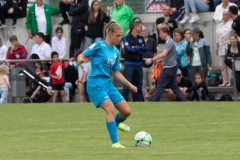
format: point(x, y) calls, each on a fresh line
point(142, 139)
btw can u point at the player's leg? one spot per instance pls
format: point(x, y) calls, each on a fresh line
point(122, 115)
point(121, 105)
point(109, 108)
point(97, 93)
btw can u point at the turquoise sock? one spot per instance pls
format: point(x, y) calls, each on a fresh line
point(118, 119)
point(112, 130)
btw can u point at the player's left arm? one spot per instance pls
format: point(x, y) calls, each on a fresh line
point(121, 78)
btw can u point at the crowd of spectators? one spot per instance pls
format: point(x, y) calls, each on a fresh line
point(193, 56)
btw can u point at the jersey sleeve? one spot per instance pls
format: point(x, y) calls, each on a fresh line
point(116, 66)
point(92, 50)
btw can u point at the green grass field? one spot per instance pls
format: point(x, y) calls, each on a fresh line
point(180, 131)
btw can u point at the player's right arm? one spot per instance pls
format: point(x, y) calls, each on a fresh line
point(122, 79)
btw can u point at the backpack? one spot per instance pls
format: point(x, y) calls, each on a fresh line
point(156, 71)
point(210, 98)
point(226, 97)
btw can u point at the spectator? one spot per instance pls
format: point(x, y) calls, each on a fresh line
point(187, 37)
point(181, 47)
point(200, 90)
point(218, 2)
point(165, 21)
point(5, 5)
point(3, 50)
point(56, 73)
point(4, 83)
point(41, 48)
point(199, 51)
point(234, 51)
point(223, 31)
point(59, 43)
point(39, 19)
point(233, 10)
point(78, 11)
point(196, 6)
point(64, 7)
point(122, 14)
point(71, 75)
point(95, 23)
point(16, 51)
point(150, 53)
point(169, 63)
point(134, 46)
point(223, 7)
point(183, 83)
point(82, 81)
point(177, 9)
point(14, 9)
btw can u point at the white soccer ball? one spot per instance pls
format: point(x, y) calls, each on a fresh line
point(142, 139)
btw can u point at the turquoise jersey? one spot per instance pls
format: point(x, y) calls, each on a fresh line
point(104, 59)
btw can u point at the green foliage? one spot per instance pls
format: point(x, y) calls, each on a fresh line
point(180, 131)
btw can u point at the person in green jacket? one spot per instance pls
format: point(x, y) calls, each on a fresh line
point(122, 14)
point(39, 19)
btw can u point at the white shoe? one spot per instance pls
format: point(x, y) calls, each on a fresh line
point(194, 18)
point(184, 20)
point(228, 85)
point(222, 85)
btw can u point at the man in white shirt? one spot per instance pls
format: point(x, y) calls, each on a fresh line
point(3, 51)
point(41, 48)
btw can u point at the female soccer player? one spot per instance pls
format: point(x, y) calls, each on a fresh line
point(104, 61)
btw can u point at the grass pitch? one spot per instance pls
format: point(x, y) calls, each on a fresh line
point(180, 131)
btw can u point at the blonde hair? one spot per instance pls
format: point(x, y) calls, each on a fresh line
point(234, 35)
point(4, 69)
point(111, 27)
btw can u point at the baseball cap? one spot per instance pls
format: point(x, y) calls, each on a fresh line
point(179, 71)
point(195, 30)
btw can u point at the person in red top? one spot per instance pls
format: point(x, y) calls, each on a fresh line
point(16, 51)
point(56, 73)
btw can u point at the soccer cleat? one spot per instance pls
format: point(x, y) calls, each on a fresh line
point(117, 145)
point(2, 25)
point(123, 127)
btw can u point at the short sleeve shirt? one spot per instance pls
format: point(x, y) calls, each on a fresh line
point(57, 70)
point(169, 60)
point(104, 59)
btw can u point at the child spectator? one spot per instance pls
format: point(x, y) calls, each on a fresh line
point(38, 69)
point(83, 73)
point(200, 90)
point(59, 42)
point(56, 73)
point(16, 51)
point(4, 83)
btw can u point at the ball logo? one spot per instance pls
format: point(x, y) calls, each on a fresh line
point(126, 43)
point(140, 41)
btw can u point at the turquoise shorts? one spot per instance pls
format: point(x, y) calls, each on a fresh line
point(100, 89)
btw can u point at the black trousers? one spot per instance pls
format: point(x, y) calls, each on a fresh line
point(17, 13)
point(47, 39)
point(77, 35)
point(63, 9)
